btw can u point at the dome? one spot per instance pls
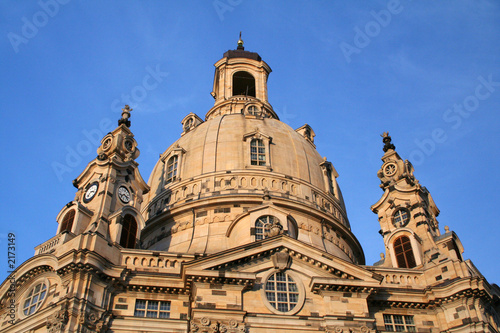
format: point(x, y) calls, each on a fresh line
point(242, 175)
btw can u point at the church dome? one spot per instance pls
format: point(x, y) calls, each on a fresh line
point(242, 175)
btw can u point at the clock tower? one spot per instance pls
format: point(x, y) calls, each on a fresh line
point(408, 218)
point(110, 192)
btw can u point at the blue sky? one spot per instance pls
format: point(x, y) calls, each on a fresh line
point(426, 71)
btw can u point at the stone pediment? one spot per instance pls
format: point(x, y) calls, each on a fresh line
point(241, 265)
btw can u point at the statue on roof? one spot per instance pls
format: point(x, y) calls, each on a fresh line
point(125, 116)
point(386, 139)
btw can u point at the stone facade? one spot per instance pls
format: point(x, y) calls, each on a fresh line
point(242, 228)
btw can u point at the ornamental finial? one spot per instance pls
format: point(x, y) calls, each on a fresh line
point(125, 116)
point(386, 139)
point(240, 43)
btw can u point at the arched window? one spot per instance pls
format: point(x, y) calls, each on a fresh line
point(404, 253)
point(257, 152)
point(129, 232)
point(188, 124)
point(67, 222)
point(263, 226)
point(172, 169)
point(243, 84)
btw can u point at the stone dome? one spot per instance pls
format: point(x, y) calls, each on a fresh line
point(241, 176)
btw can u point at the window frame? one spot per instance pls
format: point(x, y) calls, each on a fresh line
point(300, 292)
point(147, 310)
point(179, 152)
point(330, 178)
point(393, 325)
point(29, 295)
point(260, 151)
point(128, 242)
point(266, 142)
point(397, 219)
point(404, 252)
point(270, 220)
point(171, 174)
point(67, 221)
point(237, 84)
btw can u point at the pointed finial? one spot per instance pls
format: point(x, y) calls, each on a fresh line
point(386, 139)
point(125, 116)
point(240, 43)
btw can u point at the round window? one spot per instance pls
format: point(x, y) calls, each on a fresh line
point(401, 218)
point(34, 299)
point(282, 292)
point(253, 110)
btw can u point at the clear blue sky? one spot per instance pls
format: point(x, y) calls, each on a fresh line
point(426, 71)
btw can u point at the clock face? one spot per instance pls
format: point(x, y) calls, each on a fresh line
point(129, 145)
point(390, 169)
point(124, 194)
point(91, 191)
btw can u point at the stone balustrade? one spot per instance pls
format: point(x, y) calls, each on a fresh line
point(151, 260)
point(51, 244)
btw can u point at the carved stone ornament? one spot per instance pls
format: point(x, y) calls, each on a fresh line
point(362, 329)
point(107, 143)
point(274, 228)
point(194, 327)
point(57, 322)
point(208, 325)
point(233, 323)
point(92, 322)
point(102, 157)
point(281, 260)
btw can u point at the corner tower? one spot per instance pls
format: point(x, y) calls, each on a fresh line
point(408, 218)
point(109, 194)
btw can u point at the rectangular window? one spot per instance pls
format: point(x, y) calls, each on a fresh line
point(201, 214)
point(152, 309)
point(399, 323)
point(172, 169)
point(257, 152)
point(222, 210)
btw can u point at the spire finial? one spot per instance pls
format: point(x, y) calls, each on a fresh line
point(125, 116)
point(240, 43)
point(386, 139)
